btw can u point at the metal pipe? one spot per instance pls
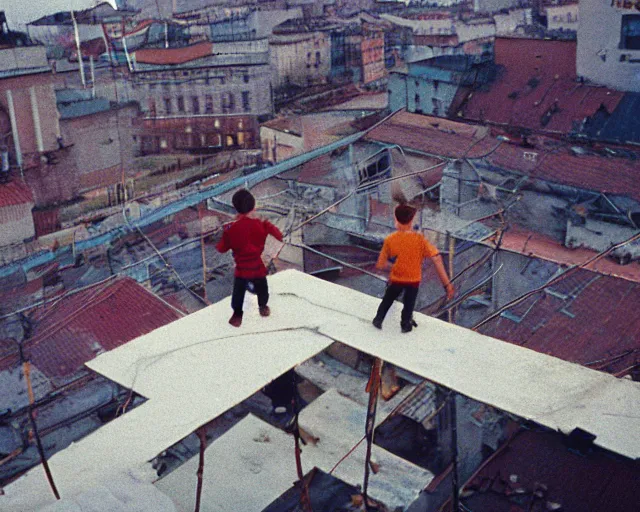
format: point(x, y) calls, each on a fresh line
point(93, 76)
point(78, 49)
point(14, 128)
point(36, 118)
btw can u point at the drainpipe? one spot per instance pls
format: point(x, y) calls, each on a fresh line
point(14, 129)
point(77, 36)
point(93, 76)
point(36, 118)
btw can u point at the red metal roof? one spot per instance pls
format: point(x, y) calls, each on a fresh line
point(541, 462)
point(173, 55)
point(587, 317)
point(72, 331)
point(537, 82)
point(551, 161)
point(13, 193)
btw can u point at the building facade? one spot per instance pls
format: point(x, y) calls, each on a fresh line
point(300, 55)
point(201, 98)
point(562, 17)
point(609, 44)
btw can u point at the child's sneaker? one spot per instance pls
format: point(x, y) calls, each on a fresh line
point(265, 311)
point(377, 323)
point(236, 319)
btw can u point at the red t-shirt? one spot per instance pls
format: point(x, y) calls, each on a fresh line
point(246, 237)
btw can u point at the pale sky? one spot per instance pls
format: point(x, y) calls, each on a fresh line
point(20, 12)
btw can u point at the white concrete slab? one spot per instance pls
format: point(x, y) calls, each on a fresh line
point(339, 423)
point(198, 367)
point(117, 495)
point(245, 469)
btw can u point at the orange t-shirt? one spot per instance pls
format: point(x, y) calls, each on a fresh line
point(409, 248)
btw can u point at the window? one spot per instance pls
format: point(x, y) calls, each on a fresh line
point(246, 78)
point(228, 102)
point(180, 103)
point(216, 123)
point(318, 61)
point(152, 106)
point(167, 105)
point(208, 104)
point(246, 103)
point(630, 37)
point(435, 85)
point(195, 104)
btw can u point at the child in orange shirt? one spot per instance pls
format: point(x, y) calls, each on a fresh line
point(407, 249)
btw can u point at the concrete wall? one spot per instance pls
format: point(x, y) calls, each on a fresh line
point(101, 141)
point(300, 59)
point(508, 23)
point(278, 145)
point(599, 236)
point(489, 6)
point(420, 94)
point(600, 58)
point(17, 224)
point(18, 89)
point(562, 17)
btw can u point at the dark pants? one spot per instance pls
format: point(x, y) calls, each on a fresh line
point(392, 292)
point(240, 287)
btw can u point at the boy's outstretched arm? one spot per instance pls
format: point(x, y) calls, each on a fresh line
point(273, 231)
point(442, 274)
point(223, 244)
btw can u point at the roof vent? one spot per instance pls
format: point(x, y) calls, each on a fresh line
point(577, 150)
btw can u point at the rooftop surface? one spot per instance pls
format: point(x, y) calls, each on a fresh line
point(551, 162)
point(587, 318)
point(542, 462)
point(172, 56)
point(14, 193)
point(74, 329)
point(188, 362)
point(538, 89)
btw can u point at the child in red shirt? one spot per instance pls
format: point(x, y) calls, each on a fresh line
point(246, 237)
point(407, 249)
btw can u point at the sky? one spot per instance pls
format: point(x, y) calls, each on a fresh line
point(20, 12)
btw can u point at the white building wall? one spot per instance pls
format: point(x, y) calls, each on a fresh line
point(17, 224)
point(562, 17)
point(508, 23)
point(300, 59)
point(490, 6)
point(601, 56)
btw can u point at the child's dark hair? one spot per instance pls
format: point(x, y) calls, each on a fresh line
point(243, 201)
point(405, 213)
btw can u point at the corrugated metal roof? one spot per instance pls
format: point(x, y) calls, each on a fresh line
point(75, 329)
point(538, 89)
point(586, 317)
point(455, 140)
point(542, 462)
point(13, 193)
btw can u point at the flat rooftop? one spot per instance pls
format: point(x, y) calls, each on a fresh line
point(198, 367)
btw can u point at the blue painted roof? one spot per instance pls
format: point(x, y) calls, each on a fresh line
point(624, 123)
